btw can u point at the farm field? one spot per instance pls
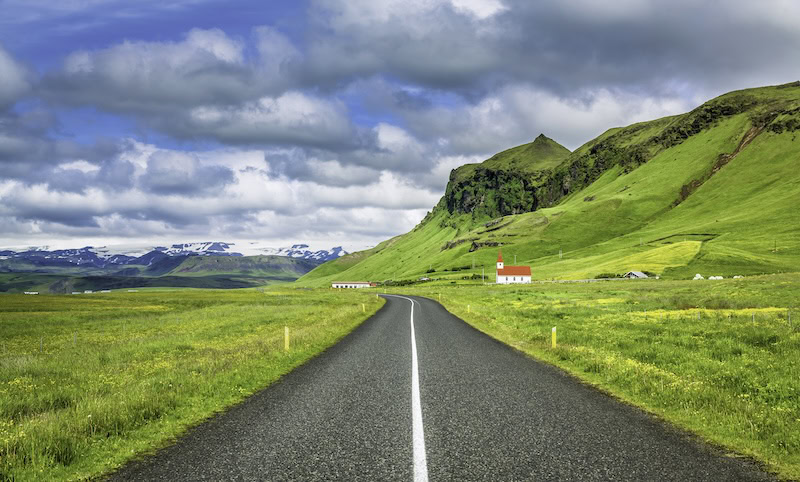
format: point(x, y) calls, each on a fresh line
point(90, 381)
point(718, 358)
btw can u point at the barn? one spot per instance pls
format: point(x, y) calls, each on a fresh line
point(351, 284)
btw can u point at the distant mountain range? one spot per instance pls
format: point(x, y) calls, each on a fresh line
point(111, 256)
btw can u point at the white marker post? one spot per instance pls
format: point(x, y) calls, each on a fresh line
point(285, 338)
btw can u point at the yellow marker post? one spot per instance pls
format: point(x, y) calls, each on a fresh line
point(554, 337)
point(363, 308)
point(467, 308)
point(285, 338)
point(440, 297)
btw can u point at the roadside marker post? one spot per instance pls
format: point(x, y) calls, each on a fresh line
point(440, 297)
point(467, 308)
point(363, 308)
point(285, 338)
point(554, 337)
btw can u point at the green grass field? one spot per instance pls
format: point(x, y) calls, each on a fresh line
point(718, 358)
point(88, 382)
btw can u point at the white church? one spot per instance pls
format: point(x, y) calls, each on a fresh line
point(511, 274)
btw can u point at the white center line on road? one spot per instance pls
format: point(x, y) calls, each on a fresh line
point(418, 433)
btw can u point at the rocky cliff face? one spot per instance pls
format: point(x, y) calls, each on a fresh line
point(542, 173)
point(504, 184)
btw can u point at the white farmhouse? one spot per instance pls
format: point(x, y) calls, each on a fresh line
point(511, 274)
point(351, 284)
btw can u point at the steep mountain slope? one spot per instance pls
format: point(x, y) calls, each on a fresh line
point(503, 184)
point(711, 191)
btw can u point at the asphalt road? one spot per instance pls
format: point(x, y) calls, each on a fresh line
point(451, 405)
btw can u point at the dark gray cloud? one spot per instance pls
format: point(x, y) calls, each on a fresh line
point(321, 168)
point(170, 172)
point(116, 174)
point(562, 47)
point(28, 151)
point(14, 80)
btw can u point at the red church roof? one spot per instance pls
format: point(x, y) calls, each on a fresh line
point(514, 271)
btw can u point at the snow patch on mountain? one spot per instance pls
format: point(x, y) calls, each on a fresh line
point(146, 255)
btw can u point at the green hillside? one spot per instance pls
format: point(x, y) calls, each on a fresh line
point(712, 191)
point(244, 265)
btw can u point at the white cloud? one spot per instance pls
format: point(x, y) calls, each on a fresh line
point(174, 196)
point(80, 165)
point(480, 8)
point(206, 66)
point(292, 118)
point(516, 114)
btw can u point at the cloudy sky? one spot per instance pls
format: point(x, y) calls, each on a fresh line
point(329, 121)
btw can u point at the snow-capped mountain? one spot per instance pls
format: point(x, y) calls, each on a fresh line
point(305, 252)
point(110, 256)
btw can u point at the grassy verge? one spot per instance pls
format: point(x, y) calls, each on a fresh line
point(88, 382)
point(718, 358)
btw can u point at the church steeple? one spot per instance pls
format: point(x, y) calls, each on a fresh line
point(500, 260)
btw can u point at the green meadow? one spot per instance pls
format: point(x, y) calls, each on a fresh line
point(88, 382)
point(717, 358)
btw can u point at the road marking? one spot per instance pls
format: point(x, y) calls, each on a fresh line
point(417, 430)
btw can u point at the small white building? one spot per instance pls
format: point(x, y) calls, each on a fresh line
point(511, 274)
point(351, 284)
point(635, 275)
